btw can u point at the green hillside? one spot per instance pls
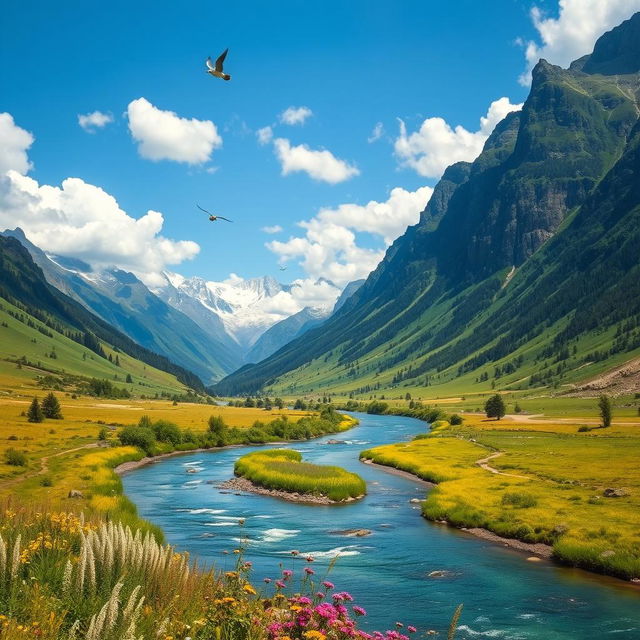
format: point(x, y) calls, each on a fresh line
point(523, 270)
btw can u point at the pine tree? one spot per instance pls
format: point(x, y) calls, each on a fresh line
point(35, 412)
point(51, 407)
point(495, 407)
point(129, 378)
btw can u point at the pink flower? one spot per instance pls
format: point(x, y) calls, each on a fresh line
point(359, 611)
point(267, 580)
point(328, 585)
point(411, 629)
point(286, 574)
point(309, 571)
point(280, 584)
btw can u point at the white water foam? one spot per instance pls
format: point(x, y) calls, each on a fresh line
point(220, 524)
point(275, 535)
point(234, 518)
point(196, 463)
point(342, 552)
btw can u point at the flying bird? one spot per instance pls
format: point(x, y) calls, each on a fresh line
point(211, 216)
point(216, 70)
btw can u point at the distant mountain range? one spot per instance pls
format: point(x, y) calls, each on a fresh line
point(209, 328)
point(524, 269)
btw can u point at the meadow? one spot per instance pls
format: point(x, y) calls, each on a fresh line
point(284, 469)
point(537, 481)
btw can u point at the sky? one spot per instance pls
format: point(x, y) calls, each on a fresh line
point(325, 144)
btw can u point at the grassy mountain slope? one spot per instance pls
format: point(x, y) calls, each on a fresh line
point(23, 285)
point(512, 277)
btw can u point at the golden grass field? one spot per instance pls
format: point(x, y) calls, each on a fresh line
point(64, 455)
point(545, 482)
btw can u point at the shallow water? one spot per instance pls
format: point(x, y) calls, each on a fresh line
point(504, 596)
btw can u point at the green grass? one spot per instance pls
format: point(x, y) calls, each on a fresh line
point(283, 469)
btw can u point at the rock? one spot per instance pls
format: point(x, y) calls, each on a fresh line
point(610, 492)
point(415, 501)
point(335, 441)
point(192, 470)
point(352, 533)
point(608, 553)
point(534, 559)
point(74, 493)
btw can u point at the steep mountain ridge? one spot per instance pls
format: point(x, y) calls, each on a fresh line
point(449, 296)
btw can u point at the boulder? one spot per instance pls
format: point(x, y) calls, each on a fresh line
point(352, 533)
point(610, 492)
point(415, 501)
point(74, 493)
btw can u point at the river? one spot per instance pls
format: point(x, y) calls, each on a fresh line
point(504, 595)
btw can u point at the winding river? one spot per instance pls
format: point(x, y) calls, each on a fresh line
point(504, 595)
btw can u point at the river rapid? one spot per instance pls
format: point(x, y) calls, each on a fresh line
point(504, 595)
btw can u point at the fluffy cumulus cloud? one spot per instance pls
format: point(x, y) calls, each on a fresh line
point(295, 115)
point(79, 219)
point(328, 250)
point(14, 144)
point(276, 228)
point(436, 145)
point(318, 164)
point(574, 31)
point(163, 135)
point(95, 120)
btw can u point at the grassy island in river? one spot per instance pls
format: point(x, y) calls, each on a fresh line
point(284, 469)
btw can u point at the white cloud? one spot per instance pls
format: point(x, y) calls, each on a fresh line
point(329, 248)
point(79, 219)
point(377, 133)
point(264, 135)
point(95, 120)
point(320, 165)
point(436, 145)
point(295, 115)
point(14, 143)
point(163, 135)
point(574, 32)
point(276, 228)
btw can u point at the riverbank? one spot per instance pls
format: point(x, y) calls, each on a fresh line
point(537, 549)
point(534, 498)
point(246, 486)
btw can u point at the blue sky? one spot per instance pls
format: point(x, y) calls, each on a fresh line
point(352, 64)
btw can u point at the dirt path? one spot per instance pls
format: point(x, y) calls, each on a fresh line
point(483, 463)
point(44, 465)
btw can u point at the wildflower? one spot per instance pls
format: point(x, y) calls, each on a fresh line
point(247, 588)
point(328, 585)
point(309, 571)
point(286, 574)
point(320, 595)
point(359, 611)
point(280, 584)
point(411, 629)
point(267, 580)
point(309, 558)
point(314, 635)
point(295, 552)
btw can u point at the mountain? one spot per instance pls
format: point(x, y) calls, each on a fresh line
point(523, 269)
point(294, 326)
point(121, 300)
point(286, 330)
point(24, 286)
point(240, 309)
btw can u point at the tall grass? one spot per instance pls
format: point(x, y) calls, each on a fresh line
point(283, 469)
point(64, 578)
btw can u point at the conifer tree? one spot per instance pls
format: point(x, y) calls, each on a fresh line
point(35, 411)
point(51, 407)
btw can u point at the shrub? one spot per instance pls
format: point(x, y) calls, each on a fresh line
point(141, 437)
point(519, 499)
point(15, 458)
point(455, 419)
point(166, 431)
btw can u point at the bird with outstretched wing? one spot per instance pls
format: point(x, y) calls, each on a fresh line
point(213, 217)
point(216, 69)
